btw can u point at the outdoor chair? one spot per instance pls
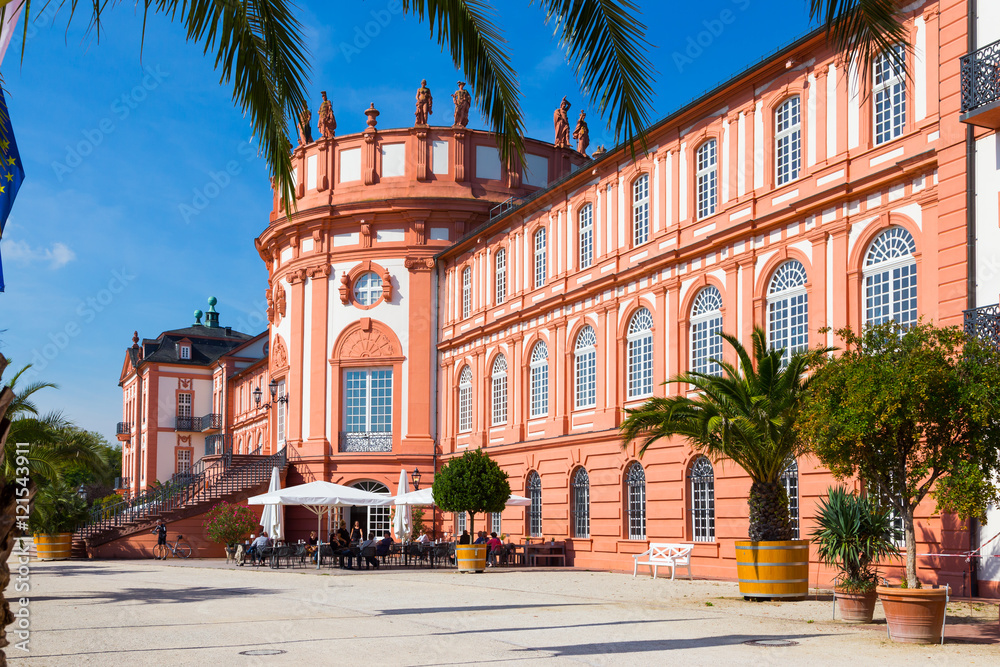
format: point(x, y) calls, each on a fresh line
point(368, 556)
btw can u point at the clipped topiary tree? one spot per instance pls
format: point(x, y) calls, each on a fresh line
point(472, 483)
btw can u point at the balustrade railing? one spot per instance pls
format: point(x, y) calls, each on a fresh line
point(211, 422)
point(187, 424)
point(218, 443)
point(123, 428)
point(981, 77)
point(365, 441)
point(984, 324)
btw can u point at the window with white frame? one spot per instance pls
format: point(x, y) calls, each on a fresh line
point(495, 523)
point(534, 488)
point(890, 275)
point(465, 400)
point(702, 500)
point(635, 498)
point(466, 291)
point(706, 323)
point(540, 258)
point(787, 141)
point(499, 377)
point(788, 310)
point(183, 404)
point(279, 427)
point(889, 94)
point(539, 379)
point(580, 506)
point(185, 351)
point(640, 354)
point(368, 400)
point(367, 288)
point(707, 178)
point(790, 480)
point(500, 275)
point(183, 461)
point(586, 236)
point(585, 367)
point(461, 522)
point(640, 210)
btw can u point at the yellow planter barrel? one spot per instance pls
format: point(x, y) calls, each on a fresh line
point(471, 557)
point(773, 569)
point(52, 547)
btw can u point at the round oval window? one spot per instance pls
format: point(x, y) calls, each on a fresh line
point(367, 288)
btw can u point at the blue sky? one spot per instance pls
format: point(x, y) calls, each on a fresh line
point(118, 149)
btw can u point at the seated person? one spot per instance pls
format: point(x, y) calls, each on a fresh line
point(480, 537)
point(312, 545)
point(367, 551)
point(424, 539)
point(494, 550)
point(383, 546)
point(342, 546)
point(465, 538)
point(255, 552)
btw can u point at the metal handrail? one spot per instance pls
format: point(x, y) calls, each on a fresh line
point(981, 77)
point(123, 428)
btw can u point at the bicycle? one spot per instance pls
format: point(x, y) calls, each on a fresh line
point(178, 549)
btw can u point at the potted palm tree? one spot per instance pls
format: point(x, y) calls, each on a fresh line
point(747, 415)
point(56, 512)
point(472, 483)
point(854, 533)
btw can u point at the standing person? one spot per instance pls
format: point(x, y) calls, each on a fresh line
point(357, 534)
point(160, 530)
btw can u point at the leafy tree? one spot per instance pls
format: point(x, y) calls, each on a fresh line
point(228, 523)
point(911, 411)
point(57, 509)
point(747, 415)
point(472, 483)
point(854, 533)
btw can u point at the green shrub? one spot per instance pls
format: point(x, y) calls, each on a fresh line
point(228, 523)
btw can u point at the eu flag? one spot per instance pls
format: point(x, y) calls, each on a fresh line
point(11, 170)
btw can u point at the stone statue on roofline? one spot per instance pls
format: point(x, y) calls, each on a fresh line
point(305, 125)
point(582, 133)
point(561, 121)
point(327, 123)
point(463, 100)
point(425, 103)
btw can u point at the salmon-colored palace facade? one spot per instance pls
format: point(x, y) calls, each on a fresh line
point(413, 317)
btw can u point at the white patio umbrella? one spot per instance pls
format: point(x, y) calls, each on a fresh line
point(320, 498)
point(425, 497)
point(271, 519)
point(402, 522)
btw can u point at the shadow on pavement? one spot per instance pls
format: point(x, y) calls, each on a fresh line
point(649, 645)
point(455, 608)
point(159, 595)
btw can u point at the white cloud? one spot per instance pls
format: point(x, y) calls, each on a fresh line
point(58, 256)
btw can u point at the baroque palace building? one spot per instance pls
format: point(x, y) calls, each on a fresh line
point(425, 298)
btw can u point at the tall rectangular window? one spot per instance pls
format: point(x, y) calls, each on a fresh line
point(280, 418)
point(183, 405)
point(707, 178)
point(466, 292)
point(501, 275)
point(586, 236)
point(540, 258)
point(787, 141)
point(183, 461)
point(368, 400)
point(889, 95)
point(640, 210)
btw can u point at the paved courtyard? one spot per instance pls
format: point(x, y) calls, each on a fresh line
point(209, 613)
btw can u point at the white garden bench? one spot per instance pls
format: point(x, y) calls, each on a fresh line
point(663, 554)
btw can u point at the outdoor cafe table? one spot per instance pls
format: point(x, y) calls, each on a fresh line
point(546, 551)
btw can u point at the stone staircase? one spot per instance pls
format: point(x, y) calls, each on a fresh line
point(213, 479)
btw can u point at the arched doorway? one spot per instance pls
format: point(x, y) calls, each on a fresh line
point(375, 520)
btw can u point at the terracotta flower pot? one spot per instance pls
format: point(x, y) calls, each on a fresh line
point(914, 615)
point(856, 607)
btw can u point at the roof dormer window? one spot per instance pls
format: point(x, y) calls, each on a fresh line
point(184, 351)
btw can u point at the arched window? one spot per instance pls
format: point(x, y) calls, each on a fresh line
point(540, 258)
point(635, 497)
point(540, 380)
point(788, 309)
point(585, 358)
point(891, 278)
point(379, 522)
point(787, 141)
point(499, 377)
point(702, 500)
point(889, 94)
point(466, 292)
point(465, 400)
point(501, 275)
point(534, 488)
point(586, 236)
point(706, 323)
point(640, 210)
point(580, 506)
point(707, 178)
point(640, 354)
point(790, 480)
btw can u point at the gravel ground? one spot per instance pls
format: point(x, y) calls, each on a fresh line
point(210, 613)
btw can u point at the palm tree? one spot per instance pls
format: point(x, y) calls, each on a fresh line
point(746, 415)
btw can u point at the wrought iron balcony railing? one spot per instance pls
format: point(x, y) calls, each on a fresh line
point(981, 86)
point(365, 441)
point(211, 422)
point(188, 424)
point(124, 428)
point(984, 323)
point(220, 443)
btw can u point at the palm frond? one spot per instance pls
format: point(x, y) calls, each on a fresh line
point(607, 43)
point(467, 30)
point(862, 30)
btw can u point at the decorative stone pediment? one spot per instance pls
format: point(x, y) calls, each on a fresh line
point(370, 344)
